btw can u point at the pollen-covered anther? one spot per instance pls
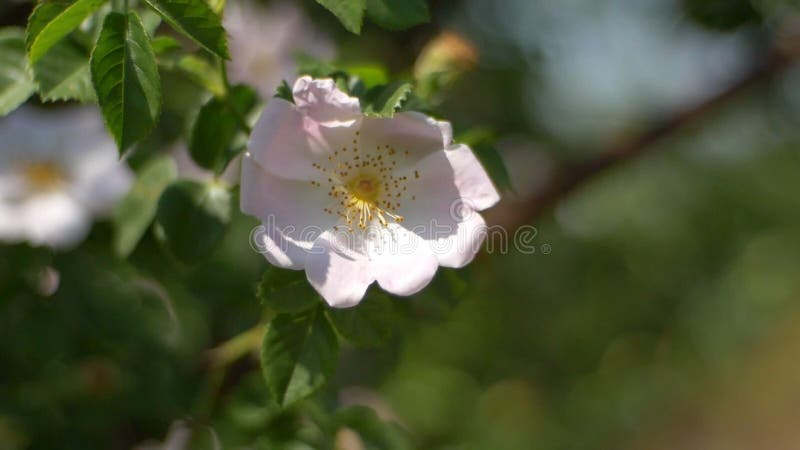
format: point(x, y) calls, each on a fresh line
point(363, 185)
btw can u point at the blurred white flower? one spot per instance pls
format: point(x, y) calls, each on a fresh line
point(264, 41)
point(354, 199)
point(58, 170)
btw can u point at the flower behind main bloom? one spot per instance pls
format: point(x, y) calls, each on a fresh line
point(353, 199)
point(58, 170)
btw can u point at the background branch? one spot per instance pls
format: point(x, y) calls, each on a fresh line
point(572, 176)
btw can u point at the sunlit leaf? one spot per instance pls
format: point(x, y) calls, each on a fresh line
point(384, 101)
point(63, 74)
point(133, 216)
point(199, 70)
point(196, 20)
point(16, 83)
point(349, 12)
point(51, 21)
point(125, 77)
point(164, 44)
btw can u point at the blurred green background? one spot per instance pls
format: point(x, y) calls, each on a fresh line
point(660, 308)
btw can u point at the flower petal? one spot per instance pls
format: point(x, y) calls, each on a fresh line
point(323, 102)
point(55, 220)
point(279, 249)
point(443, 189)
point(294, 207)
point(287, 143)
point(100, 193)
point(432, 202)
point(338, 273)
point(457, 249)
point(403, 262)
point(470, 177)
point(411, 132)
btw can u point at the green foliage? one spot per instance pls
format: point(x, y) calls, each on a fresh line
point(220, 131)
point(349, 12)
point(374, 433)
point(369, 75)
point(125, 77)
point(384, 101)
point(722, 14)
point(196, 20)
point(164, 44)
point(63, 74)
point(16, 84)
point(192, 218)
point(398, 14)
point(284, 91)
point(389, 14)
point(316, 68)
point(52, 21)
point(199, 70)
point(286, 291)
point(369, 324)
point(133, 216)
point(298, 355)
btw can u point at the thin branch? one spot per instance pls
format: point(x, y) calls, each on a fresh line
point(573, 176)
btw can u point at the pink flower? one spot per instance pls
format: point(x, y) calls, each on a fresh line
point(353, 199)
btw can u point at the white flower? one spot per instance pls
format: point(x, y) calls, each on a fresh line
point(58, 170)
point(264, 42)
point(354, 199)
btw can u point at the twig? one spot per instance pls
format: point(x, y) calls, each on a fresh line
point(572, 176)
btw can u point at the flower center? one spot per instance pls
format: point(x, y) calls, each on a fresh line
point(43, 176)
point(363, 186)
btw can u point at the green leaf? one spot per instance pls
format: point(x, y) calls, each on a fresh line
point(284, 91)
point(286, 291)
point(349, 12)
point(164, 44)
point(63, 74)
point(134, 214)
point(383, 101)
point(192, 218)
point(398, 14)
point(310, 65)
point(218, 134)
point(198, 70)
point(298, 355)
point(369, 324)
point(369, 75)
point(52, 21)
point(125, 78)
point(16, 84)
point(197, 21)
point(375, 433)
point(218, 6)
